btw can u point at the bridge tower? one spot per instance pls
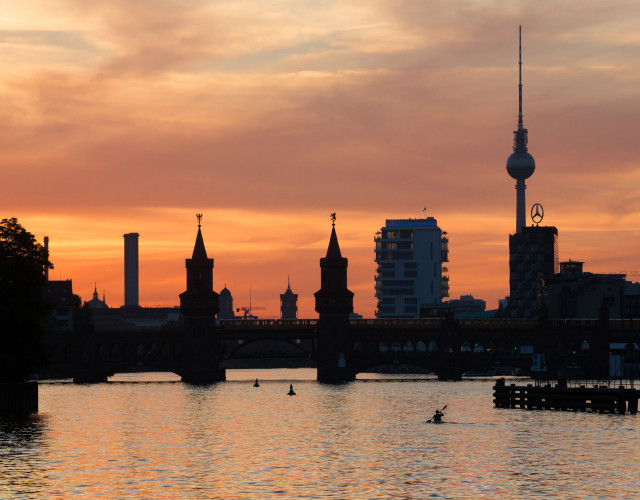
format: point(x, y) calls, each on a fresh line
point(199, 306)
point(334, 303)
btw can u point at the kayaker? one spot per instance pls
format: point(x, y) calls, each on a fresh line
point(437, 417)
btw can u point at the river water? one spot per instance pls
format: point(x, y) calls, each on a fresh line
point(150, 436)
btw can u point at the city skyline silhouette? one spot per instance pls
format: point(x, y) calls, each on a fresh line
point(133, 123)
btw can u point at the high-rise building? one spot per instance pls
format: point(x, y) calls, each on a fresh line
point(131, 270)
point(409, 254)
point(520, 164)
point(289, 303)
point(533, 256)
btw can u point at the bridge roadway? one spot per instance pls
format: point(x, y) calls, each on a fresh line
point(444, 346)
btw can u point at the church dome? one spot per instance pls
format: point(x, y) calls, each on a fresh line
point(95, 302)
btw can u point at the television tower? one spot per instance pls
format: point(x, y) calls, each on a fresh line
point(520, 164)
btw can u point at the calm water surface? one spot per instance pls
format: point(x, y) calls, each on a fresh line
point(150, 436)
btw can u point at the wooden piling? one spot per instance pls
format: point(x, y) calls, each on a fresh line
point(21, 397)
point(560, 397)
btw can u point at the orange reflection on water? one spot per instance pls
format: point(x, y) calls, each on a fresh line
point(366, 439)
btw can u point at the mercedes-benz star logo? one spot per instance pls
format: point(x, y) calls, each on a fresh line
point(537, 213)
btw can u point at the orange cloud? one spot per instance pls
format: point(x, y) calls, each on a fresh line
point(120, 118)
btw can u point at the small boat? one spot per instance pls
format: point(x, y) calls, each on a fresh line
point(291, 393)
point(256, 384)
point(437, 417)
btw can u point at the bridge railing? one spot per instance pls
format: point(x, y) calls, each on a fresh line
point(437, 323)
point(265, 324)
point(624, 324)
point(498, 323)
point(397, 323)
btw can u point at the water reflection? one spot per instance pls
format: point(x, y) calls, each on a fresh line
point(358, 440)
point(22, 449)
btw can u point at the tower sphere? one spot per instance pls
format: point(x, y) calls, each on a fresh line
point(520, 165)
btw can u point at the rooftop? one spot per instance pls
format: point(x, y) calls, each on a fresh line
point(429, 221)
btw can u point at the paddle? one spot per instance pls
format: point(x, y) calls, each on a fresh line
point(443, 408)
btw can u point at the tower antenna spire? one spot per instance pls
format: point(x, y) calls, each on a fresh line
point(520, 165)
point(520, 125)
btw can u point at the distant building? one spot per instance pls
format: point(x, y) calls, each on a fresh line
point(410, 254)
point(226, 304)
point(466, 306)
point(631, 300)
point(572, 293)
point(533, 255)
point(289, 304)
point(131, 298)
point(443, 310)
point(95, 302)
point(60, 294)
point(119, 319)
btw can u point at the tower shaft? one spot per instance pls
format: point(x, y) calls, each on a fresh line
point(521, 206)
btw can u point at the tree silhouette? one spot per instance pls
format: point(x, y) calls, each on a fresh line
point(22, 304)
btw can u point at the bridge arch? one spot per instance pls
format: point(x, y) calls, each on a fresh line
point(116, 353)
point(244, 344)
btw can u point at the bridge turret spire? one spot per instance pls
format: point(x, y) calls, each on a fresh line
point(199, 305)
point(334, 303)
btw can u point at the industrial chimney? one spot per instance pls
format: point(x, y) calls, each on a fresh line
point(131, 270)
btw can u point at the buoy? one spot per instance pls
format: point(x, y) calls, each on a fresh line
point(256, 384)
point(291, 393)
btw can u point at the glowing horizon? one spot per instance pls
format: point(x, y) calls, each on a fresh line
point(123, 117)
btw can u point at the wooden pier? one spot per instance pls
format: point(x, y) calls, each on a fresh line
point(559, 396)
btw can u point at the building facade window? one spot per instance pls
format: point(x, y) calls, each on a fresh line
point(409, 267)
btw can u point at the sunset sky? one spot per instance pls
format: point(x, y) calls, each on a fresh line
point(133, 116)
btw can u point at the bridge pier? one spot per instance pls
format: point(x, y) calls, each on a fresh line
point(201, 353)
point(446, 374)
point(86, 369)
point(89, 376)
point(199, 305)
point(334, 363)
point(334, 303)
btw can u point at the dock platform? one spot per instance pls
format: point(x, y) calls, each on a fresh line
point(603, 397)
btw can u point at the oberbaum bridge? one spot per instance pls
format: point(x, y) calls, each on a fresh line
point(339, 347)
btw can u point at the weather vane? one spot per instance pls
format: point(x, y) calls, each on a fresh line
point(333, 219)
point(199, 217)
